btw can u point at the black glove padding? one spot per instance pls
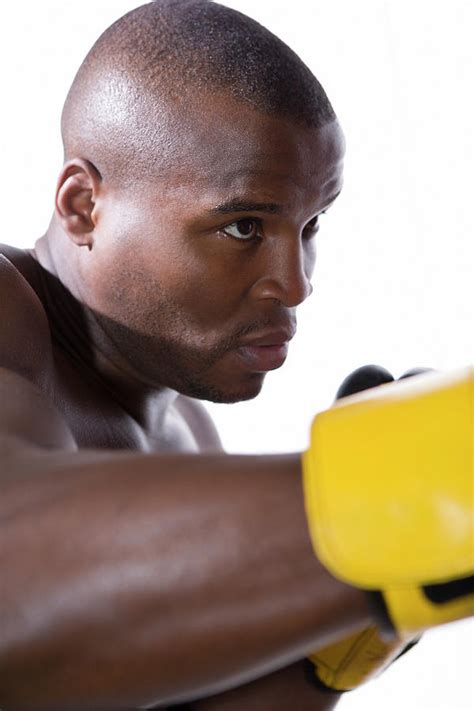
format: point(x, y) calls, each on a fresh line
point(368, 376)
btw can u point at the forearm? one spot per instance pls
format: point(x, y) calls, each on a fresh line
point(138, 579)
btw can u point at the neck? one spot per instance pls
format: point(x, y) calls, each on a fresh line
point(79, 332)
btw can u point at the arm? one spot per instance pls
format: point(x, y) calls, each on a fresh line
point(139, 579)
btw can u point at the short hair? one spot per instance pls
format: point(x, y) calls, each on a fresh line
point(174, 48)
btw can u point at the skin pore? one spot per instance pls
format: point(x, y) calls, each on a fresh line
point(177, 271)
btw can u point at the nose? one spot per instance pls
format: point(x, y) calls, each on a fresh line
point(286, 272)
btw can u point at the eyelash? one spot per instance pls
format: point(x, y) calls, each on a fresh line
point(255, 220)
point(311, 226)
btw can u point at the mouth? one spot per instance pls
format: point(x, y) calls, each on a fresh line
point(267, 350)
point(263, 358)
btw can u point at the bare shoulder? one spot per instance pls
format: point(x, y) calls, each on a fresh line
point(25, 341)
point(200, 423)
point(27, 414)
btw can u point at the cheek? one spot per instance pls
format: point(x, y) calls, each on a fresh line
point(200, 278)
point(157, 289)
point(203, 294)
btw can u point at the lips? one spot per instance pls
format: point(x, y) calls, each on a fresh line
point(266, 351)
point(263, 358)
point(271, 338)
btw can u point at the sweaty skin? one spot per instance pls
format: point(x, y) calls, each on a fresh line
point(154, 568)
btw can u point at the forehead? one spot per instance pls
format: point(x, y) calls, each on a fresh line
point(226, 147)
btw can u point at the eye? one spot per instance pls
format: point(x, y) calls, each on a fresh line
point(245, 230)
point(313, 225)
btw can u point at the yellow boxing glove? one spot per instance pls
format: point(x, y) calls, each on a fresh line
point(354, 660)
point(388, 484)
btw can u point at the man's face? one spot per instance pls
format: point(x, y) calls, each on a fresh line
point(196, 274)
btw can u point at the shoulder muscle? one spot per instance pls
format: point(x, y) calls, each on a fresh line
point(200, 423)
point(26, 413)
point(25, 343)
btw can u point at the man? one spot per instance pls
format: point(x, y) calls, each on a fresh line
point(199, 154)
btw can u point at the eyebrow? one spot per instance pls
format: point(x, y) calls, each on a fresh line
point(237, 205)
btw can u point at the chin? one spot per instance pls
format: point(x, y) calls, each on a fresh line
point(228, 394)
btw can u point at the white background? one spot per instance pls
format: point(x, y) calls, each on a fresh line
point(393, 283)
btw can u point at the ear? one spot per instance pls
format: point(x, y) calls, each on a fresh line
point(77, 191)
